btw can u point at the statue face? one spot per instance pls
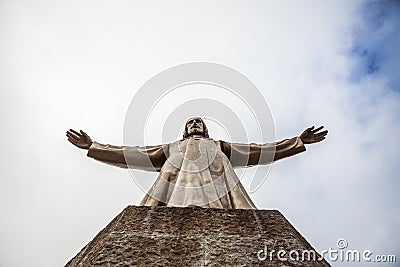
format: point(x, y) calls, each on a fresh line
point(195, 126)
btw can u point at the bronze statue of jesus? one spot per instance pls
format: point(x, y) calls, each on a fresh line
point(196, 170)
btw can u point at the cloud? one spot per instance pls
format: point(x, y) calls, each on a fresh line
point(78, 64)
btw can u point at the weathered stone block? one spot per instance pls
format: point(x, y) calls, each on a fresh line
point(163, 236)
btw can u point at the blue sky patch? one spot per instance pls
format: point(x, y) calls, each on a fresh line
point(376, 43)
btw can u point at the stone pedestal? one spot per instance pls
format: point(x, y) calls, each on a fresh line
point(161, 236)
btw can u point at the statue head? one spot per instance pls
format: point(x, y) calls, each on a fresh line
point(195, 126)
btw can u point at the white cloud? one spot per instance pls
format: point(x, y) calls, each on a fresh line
point(77, 64)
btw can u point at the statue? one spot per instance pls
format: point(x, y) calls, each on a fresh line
point(197, 170)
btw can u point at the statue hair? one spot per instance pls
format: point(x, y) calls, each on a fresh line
point(205, 131)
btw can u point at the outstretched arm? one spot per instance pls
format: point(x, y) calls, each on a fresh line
point(242, 155)
point(150, 158)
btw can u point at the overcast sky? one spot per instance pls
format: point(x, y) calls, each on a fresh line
point(78, 64)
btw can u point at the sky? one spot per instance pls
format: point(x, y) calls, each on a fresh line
point(78, 64)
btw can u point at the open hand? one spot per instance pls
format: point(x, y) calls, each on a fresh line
point(81, 140)
point(312, 135)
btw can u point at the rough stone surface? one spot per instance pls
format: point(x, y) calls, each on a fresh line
point(163, 236)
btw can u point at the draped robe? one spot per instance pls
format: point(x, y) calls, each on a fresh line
point(196, 171)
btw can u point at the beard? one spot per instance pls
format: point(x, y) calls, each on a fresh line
point(197, 131)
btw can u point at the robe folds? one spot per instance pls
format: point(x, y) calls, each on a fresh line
point(196, 171)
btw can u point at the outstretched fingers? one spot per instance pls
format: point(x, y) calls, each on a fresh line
point(72, 141)
point(85, 134)
point(75, 132)
point(321, 134)
point(316, 130)
point(73, 136)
